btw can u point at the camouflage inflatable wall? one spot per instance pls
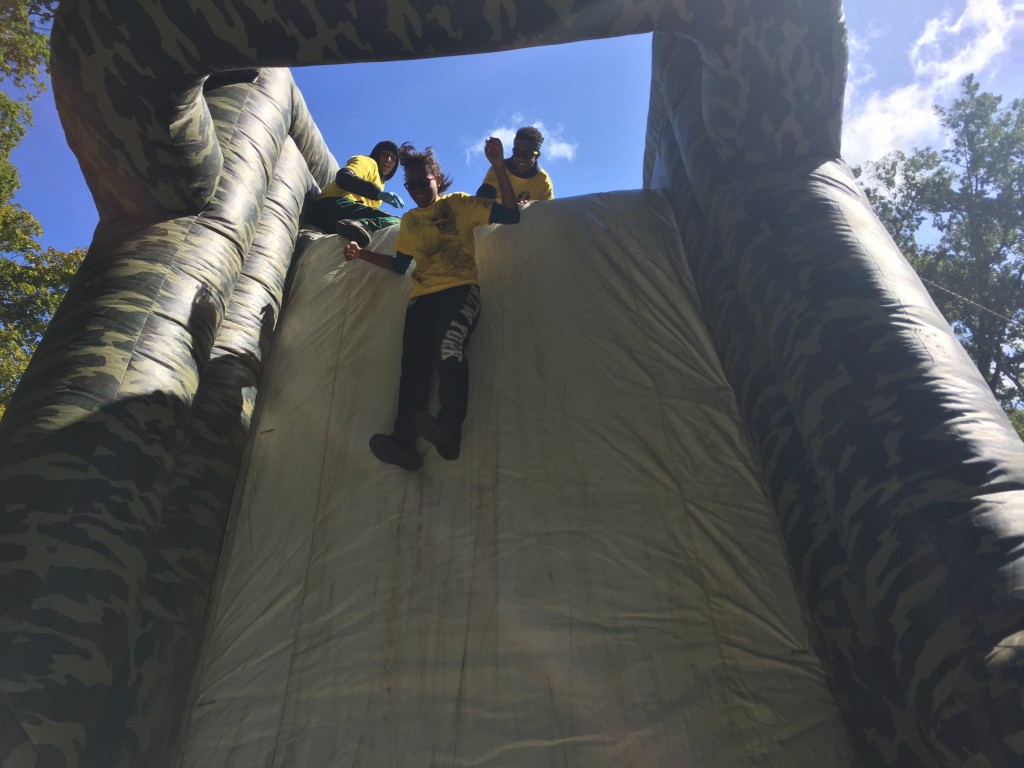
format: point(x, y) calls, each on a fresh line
point(896, 478)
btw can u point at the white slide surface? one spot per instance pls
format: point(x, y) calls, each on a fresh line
point(598, 581)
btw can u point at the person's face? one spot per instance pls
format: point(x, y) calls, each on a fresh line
point(422, 187)
point(386, 161)
point(523, 158)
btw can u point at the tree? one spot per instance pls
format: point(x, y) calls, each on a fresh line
point(32, 281)
point(23, 56)
point(23, 42)
point(32, 291)
point(958, 216)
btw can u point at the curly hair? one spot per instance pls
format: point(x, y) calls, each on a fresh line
point(530, 133)
point(409, 157)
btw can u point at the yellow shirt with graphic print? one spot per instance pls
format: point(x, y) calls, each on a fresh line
point(364, 168)
point(536, 187)
point(440, 240)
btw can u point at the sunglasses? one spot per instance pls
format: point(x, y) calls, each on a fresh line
point(412, 186)
point(526, 154)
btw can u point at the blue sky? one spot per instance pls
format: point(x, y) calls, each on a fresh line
point(590, 99)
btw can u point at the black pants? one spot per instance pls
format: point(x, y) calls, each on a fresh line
point(436, 337)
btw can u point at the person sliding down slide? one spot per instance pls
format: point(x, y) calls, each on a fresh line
point(444, 301)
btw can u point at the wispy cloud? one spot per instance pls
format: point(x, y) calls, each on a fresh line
point(947, 50)
point(860, 73)
point(556, 146)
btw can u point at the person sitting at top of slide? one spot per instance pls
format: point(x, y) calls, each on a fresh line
point(529, 180)
point(444, 302)
point(350, 204)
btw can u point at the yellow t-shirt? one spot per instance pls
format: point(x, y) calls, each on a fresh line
point(536, 187)
point(365, 168)
point(440, 240)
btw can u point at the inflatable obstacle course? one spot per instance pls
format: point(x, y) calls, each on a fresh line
point(890, 607)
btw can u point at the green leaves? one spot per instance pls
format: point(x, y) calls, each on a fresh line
point(32, 281)
point(24, 45)
point(958, 215)
point(31, 288)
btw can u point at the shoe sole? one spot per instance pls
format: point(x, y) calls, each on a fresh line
point(431, 430)
point(388, 450)
point(361, 238)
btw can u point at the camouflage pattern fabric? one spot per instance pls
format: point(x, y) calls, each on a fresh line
point(863, 681)
point(895, 473)
point(162, 295)
point(896, 476)
point(143, 718)
point(147, 147)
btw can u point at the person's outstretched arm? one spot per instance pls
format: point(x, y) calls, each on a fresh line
point(348, 181)
point(507, 210)
point(495, 154)
point(398, 263)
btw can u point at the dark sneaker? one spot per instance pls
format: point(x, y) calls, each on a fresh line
point(350, 229)
point(445, 436)
point(394, 450)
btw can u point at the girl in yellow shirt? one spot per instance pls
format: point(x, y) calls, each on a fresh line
point(444, 301)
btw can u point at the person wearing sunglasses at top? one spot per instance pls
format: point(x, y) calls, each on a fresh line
point(529, 180)
point(444, 301)
point(349, 205)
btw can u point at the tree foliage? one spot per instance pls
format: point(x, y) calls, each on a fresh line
point(33, 288)
point(958, 216)
point(23, 57)
point(32, 280)
point(23, 42)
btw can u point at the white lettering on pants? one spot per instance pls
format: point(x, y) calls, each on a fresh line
point(452, 345)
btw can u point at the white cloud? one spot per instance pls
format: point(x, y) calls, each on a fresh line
point(556, 147)
point(859, 72)
point(947, 50)
point(883, 122)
